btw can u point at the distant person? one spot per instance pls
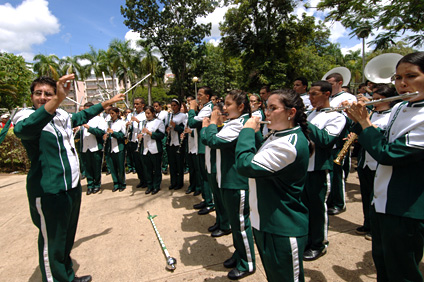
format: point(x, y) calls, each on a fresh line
point(300, 85)
point(4, 120)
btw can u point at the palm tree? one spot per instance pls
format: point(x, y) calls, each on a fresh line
point(95, 58)
point(47, 65)
point(121, 56)
point(150, 64)
point(71, 65)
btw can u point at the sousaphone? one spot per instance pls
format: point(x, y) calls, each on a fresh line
point(381, 68)
point(344, 72)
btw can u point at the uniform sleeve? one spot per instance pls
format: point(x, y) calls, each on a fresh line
point(29, 124)
point(265, 163)
point(96, 131)
point(159, 133)
point(84, 116)
point(326, 137)
point(225, 138)
point(406, 149)
point(120, 135)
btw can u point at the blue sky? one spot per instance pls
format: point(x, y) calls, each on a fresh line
point(64, 28)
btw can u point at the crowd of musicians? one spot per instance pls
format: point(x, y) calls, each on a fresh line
point(264, 164)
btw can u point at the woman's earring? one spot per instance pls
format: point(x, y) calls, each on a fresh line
point(289, 118)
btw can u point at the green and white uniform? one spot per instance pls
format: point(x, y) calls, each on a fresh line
point(133, 144)
point(196, 121)
point(152, 153)
point(234, 188)
point(115, 148)
point(367, 166)
point(397, 215)
point(92, 145)
point(339, 174)
point(324, 130)
point(53, 183)
point(277, 174)
point(175, 159)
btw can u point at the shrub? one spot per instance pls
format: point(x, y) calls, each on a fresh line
point(13, 156)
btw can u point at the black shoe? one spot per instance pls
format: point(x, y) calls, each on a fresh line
point(148, 191)
point(122, 189)
point(86, 278)
point(128, 171)
point(107, 172)
point(188, 191)
point(95, 190)
point(155, 191)
point(335, 211)
point(141, 185)
point(197, 193)
point(199, 206)
point(89, 191)
point(83, 177)
point(310, 254)
point(219, 232)
point(134, 171)
point(362, 230)
point(213, 227)
point(236, 274)
point(230, 263)
point(206, 210)
point(171, 187)
point(115, 189)
point(178, 187)
point(165, 171)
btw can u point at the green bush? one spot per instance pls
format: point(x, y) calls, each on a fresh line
point(13, 156)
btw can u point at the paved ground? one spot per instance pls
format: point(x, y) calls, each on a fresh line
point(116, 242)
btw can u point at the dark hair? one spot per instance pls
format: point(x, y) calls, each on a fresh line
point(142, 101)
point(416, 58)
point(190, 96)
point(159, 103)
point(384, 90)
point(240, 97)
point(362, 85)
point(303, 80)
point(88, 105)
point(207, 90)
point(324, 85)
point(266, 87)
point(220, 106)
point(290, 99)
point(347, 89)
point(176, 101)
point(115, 109)
point(43, 80)
point(337, 77)
point(151, 109)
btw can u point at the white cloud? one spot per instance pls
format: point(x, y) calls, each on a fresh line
point(133, 37)
point(215, 18)
point(215, 42)
point(26, 25)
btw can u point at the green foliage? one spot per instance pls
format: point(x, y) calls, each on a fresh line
point(394, 17)
point(15, 79)
point(158, 94)
point(13, 156)
point(172, 27)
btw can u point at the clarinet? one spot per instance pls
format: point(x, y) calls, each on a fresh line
point(109, 124)
point(168, 140)
point(182, 140)
point(143, 124)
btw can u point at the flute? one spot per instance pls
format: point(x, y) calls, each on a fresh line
point(265, 122)
point(388, 99)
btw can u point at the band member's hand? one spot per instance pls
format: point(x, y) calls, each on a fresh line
point(215, 117)
point(113, 100)
point(109, 130)
point(145, 130)
point(86, 126)
point(362, 98)
point(135, 119)
point(75, 129)
point(206, 122)
point(63, 86)
point(128, 123)
point(359, 113)
point(193, 104)
point(105, 136)
point(172, 124)
point(187, 130)
point(253, 123)
point(139, 136)
point(182, 135)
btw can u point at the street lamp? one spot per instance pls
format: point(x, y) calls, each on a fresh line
point(195, 80)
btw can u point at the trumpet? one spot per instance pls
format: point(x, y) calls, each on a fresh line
point(388, 99)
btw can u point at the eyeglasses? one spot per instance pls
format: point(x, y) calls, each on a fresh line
point(38, 93)
point(253, 102)
point(272, 109)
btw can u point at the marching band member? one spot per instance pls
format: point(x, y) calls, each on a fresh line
point(53, 182)
point(300, 85)
point(195, 120)
point(136, 121)
point(336, 200)
point(257, 107)
point(366, 164)
point(152, 135)
point(175, 159)
point(324, 131)
point(397, 216)
point(234, 187)
point(92, 147)
point(115, 137)
point(128, 157)
point(277, 174)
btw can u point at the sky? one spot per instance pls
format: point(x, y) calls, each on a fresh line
point(68, 28)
